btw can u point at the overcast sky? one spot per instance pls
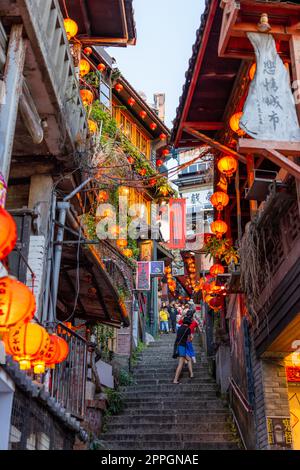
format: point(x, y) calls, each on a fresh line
point(166, 32)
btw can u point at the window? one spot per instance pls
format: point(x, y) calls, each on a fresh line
point(104, 94)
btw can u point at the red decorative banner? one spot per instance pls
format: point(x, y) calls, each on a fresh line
point(143, 275)
point(177, 217)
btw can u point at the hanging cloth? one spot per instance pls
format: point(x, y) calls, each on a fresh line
point(269, 111)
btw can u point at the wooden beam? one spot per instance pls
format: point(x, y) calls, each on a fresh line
point(13, 79)
point(204, 126)
point(230, 14)
point(30, 115)
point(254, 145)
point(85, 17)
point(283, 162)
point(215, 144)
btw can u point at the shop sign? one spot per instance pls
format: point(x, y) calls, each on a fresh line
point(143, 275)
point(279, 432)
point(292, 373)
point(157, 268)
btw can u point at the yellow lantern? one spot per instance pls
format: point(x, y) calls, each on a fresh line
point(216, 269)
point(87, 97)
point(234, 124)
point(28, 344)
point(102, 196)
point(84, 67)
point(227, 165)
point(71, 28)
point(122, 243)
point(127, 252)
point(92, 126)
point(219, 200)
point(219, 227)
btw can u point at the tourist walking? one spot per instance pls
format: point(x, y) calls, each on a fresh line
point(180, 349)
point(164, 320)
point(172, 315)
point(193, 326)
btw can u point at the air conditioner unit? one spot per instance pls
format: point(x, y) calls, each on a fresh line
point(260, 186)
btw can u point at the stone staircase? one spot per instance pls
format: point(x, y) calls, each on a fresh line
point(160, 415)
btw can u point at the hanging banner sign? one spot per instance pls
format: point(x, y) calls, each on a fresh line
point(177, 218)
point(143, 275)
point(157, 268)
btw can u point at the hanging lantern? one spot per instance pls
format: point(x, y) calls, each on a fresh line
point(159, 162)
point(215, 303)
point(88, 51)
point(93, 127)
point(84, 67)
point(165, 152)
point(219, 227)
point(102, 196)
point(234, 124)
point(143, 114)
point(128, 253)
point(119, 87)
point(216, 269)
point(28, 344)
point(130, 160)
point(153, 126)
point(162, 136)
point(219, 200)
point(87, 97)
point(58, 351)
point(17, 303)
point(101, 67)
point(8, 233)
point(122, 243)
point(131, 101)
point(71, 28)
point(168, 269)
point(227, 165)
point(142, 171)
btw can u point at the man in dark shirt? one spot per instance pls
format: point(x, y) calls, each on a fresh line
point(173, 313)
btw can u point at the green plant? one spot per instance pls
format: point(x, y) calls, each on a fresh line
point(125, 378)
point(104, 334)
point(93, 79)
point(134, 356)
point(115, 402)
point(222, 249)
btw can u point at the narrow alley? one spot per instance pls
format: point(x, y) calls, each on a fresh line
point(161, 415)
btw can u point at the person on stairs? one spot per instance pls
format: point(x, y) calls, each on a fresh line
point(193, 326)
point(164, 319)
point(173, 313)
point(180, 349)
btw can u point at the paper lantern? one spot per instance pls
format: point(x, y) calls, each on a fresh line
point(17, 303)
point(216, 269)
point(127, 252)
point(219, 227)
point(131, 101)
point(162, 136)
point(122, 243)
point(234, 124)
point(152, 181)
point(142, 171)
point(93, 127)
point(215, 303)
point(143, 114)
point(28, 345)
point(165, 152)
point(219, 200)
point(102, 196)
point(130, 160)
point(119, 87)
point(87, 97)
point(101, 67)
point(57, 352)
point(8, 233)
point(71, 28)
point(84, 67)
point(227, 165)
point(168, 270)
point(88, 51)
point(159, 162)
point(153, 126)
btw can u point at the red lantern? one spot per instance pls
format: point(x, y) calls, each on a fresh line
point(159, 162)
point(57, 352)
point(143, 114)
point(8, 233)
point(101, 67)
point(215, 302)
point(87, 97)
point(216, 269)
point(153, 126)
point(227, 165)
point(219, 228)
point(17, 303)
point(130, 160)
point(119, 87)
point(219, 200)
point(131, 101)
point(152, 181)
point(88, 51)
point(165, 152)
point(162, 136)
point(102, 196)
point(142, 171)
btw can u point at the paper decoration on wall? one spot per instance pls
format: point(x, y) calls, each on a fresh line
point(143, 276)
point(269, 112)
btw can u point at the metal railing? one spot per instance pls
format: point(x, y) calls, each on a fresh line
point(68, 379)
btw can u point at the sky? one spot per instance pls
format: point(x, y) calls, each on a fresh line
point(166, 32)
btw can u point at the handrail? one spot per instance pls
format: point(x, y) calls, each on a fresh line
point(240, 396)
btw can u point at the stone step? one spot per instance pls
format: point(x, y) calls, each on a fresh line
point(165, 368)
point(195, 412)
point(152, 374)
point(169, 437)
point(182, 404)
point(169, 388)
point(208, 416)
point(166, 381)
point(178, 394)
point(187, 427)
point(176, 445)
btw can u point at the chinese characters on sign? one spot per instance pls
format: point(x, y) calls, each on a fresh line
point(157, 268)
point(143, 276)
point(279, 432)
